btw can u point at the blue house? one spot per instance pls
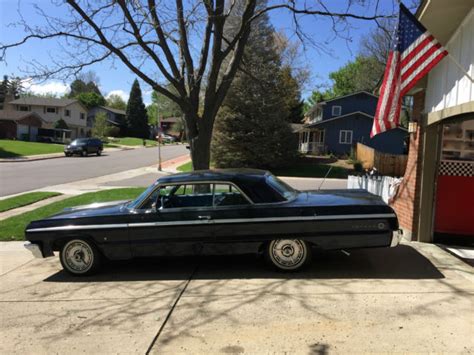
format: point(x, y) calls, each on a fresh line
point(337, 125)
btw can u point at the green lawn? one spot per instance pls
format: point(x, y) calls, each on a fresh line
point(11, 149)
point(130, 141)
point(13, 228)
point(185, 167)
point(25, 199)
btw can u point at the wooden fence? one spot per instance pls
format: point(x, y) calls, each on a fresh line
point(386, 164)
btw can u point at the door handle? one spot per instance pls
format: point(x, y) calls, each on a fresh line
point(204, 217)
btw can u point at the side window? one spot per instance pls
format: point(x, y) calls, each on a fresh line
point(152, 201)
point(228, 195)
point(183, 196)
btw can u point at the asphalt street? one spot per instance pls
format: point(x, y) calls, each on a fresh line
point(19, 177)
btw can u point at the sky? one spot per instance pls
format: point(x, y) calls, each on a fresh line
point(116, 78)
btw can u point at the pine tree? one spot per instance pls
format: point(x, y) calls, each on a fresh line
point(252, 128)
point(136, 124)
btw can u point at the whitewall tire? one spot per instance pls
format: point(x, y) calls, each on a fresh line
point(80, 257)
point(288, 254)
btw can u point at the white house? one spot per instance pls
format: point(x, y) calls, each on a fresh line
point(50, 110)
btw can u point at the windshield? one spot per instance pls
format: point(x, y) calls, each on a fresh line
point(79, 141)
point(281, 187)
point(138, 201)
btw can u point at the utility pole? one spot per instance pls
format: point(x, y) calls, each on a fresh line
point(158, 121)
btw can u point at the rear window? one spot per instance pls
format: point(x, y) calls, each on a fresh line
point(281, 187)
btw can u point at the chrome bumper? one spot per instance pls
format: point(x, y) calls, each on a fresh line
point(396, 238)
point(35, 249)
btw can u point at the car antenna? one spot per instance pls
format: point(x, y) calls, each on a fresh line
point(325, 176)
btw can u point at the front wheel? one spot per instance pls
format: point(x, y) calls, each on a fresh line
point(84, 153)
point(288, 254)
point(80, 257)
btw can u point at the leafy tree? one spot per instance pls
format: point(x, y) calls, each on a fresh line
point(61, 124)
point(101, 127)
point(363, 73)
point(252, 128)
point(136, 117)
point(162, 106)
point(116, 101)
point(90, 99)
point(86, 82)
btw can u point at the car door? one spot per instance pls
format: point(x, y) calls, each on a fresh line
point(175, 220)
point(231, 217)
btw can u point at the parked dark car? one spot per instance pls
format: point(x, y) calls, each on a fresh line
point(84, 147)
point(218, 212)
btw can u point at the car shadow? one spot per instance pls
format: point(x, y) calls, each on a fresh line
point(402, 262)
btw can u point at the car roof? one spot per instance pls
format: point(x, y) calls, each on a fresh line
point(232, 175)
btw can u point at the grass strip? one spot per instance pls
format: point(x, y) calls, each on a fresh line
point(25, 199)
point(13, 228)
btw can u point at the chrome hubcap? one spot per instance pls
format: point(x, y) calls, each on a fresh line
point(78, 256)
point(288, 253)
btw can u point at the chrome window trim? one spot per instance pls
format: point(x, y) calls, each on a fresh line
point(213, 207)
point(216, 221)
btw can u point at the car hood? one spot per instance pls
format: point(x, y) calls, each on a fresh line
point(349, 197)
point(92, 210)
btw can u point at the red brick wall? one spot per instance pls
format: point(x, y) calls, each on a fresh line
point(406, 201)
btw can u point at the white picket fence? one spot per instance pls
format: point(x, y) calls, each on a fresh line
point(384, 186)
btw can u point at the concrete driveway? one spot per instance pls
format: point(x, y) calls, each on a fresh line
point(413, 298)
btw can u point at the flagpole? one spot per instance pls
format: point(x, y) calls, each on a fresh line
point(460, 67)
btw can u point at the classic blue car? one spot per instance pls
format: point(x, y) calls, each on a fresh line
point(216, 211)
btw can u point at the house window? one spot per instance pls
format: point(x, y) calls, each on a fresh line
point(51, 109)
point(67, 113)
point(23, 108)
point(82, 116)
point(345, 137)
point(336, 110)
point(319, 137)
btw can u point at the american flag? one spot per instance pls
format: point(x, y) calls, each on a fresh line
point(415, 53)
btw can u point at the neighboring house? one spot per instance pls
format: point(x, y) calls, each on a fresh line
point(434, 202)
point(115, 117)
point(50, 110)
point(336, 125)
point(19, 125)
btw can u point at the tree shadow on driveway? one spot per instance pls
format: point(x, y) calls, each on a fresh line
point(402, 262)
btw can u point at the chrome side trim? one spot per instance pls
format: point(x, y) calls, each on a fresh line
point(396, 238)
point(215, 221)
point(76, 227)
point(35, 249)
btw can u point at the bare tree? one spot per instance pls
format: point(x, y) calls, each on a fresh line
point(161, 42)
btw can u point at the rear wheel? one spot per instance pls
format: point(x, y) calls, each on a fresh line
point(80, 257)
point(288, 254)
point(99, 152)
